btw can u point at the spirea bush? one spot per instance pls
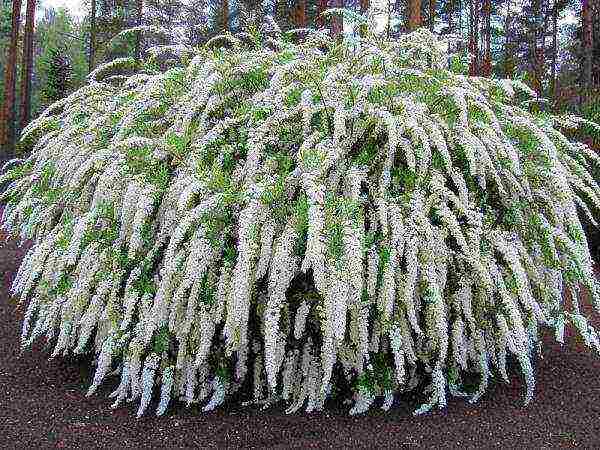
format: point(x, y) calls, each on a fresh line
point(302, 221)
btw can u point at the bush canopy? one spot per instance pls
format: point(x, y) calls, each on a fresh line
point(301, 220)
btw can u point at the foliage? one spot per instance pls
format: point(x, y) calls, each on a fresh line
point(58, 34)
point(58, 76)
point(304, 213)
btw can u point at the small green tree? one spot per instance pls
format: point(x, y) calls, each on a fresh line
point(58, 76)
point(58, 36)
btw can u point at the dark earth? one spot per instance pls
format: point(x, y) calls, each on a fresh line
point(43, 405)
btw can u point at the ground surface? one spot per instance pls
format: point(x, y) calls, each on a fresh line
point(43, 404)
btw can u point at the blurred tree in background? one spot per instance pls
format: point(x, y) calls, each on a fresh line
point(56, 65)
point(58, 34)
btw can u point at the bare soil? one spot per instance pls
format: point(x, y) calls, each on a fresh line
point(43, 405)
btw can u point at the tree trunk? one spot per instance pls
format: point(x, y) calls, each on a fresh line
point(414, 18)
point(541, 54)
point(92, 36)
point(27, 64)
point(138, 22)
point(322, 6)
point(225, 17)
point(337, 21)
point(301, 14)
point(595, 32)
point(486, 68)
point(8, 108)
point(586, 22)
point(474, 37)
point(554, 47)
point(508, 54)
point(432, 14)
point(534, 44)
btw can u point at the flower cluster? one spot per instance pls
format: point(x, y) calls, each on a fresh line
point(300, 216)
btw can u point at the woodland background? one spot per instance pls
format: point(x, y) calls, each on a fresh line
point(552, 45)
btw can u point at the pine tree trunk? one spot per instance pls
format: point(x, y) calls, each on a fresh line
point(554, 47)
point(301, 14)
point(337, 22)
point(534, 45)
point(586, 22)
point(8, 108)
point(541, 54)
point(474, 37)
point(138, 22)
point(595, 32)
point(431, 14)
point(487, 52)
point(27, 64)
point(414, 18)
point(322, 6)
point(92, 36)
point(225, 16)
point(508, 54)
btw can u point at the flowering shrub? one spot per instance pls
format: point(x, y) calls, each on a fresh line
point(295, 218)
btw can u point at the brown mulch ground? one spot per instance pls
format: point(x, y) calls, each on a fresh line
point(43, 404)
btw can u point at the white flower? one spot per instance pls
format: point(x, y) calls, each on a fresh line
point(104, 362)
point(144, 207)
point(218, 396)
point(283, 268)
point(363, 403)
point(150, 367)
point(300, 319)
point(121, 392)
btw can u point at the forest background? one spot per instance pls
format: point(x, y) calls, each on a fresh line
point(47, 51)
